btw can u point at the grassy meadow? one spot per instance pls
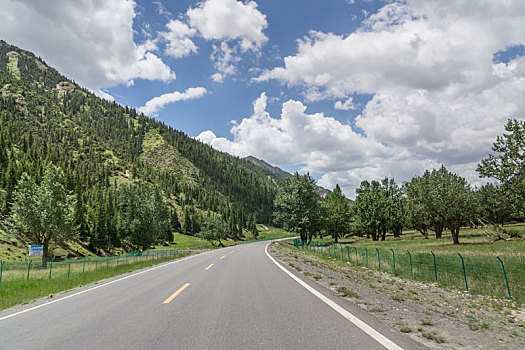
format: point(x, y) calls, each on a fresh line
point(15, 291)
point(472, 241)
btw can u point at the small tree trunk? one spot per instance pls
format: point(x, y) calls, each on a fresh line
point(383, 235)
point(455, 234)
point(303, 236)
point(45, 252)
point(439, 230)
point(396, 231)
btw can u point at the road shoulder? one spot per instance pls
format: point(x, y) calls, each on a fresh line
point(426, 314)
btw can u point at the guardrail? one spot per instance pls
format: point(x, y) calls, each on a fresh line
point(66, 268)
point(478, 274)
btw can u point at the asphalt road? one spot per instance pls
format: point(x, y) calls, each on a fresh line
point(232, 298)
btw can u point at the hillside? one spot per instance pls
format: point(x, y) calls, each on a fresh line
point(268, 168)
point(280, 174)
point(47, 118)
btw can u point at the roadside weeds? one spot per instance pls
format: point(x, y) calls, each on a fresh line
point(438, 318)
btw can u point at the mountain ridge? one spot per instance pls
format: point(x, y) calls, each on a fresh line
point(280, 174)
point(100, 145)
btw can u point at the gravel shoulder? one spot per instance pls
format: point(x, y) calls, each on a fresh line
point(437, 318)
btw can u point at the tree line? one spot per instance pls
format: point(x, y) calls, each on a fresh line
point(48, 121)
point(435, 201)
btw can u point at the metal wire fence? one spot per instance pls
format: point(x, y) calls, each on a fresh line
point(478, 274)
point(65, 268)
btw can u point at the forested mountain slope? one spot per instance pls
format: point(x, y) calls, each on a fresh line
point(46, 118)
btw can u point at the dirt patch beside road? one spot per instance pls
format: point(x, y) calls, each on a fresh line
point(438, 318)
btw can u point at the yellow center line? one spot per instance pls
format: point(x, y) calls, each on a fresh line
point(222, 257)
point(208, 267)
point(176, 293)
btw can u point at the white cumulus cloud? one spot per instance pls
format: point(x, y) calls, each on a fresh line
point(230, 20)
point(90, 40)
point(178, 37)
point(346, 105)
point(237, 26)
point(152, 106)
point(437, 95)
point(320, 142)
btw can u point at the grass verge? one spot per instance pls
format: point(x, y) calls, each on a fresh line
point(22, 292)
point(472, 241)
point(477, 274)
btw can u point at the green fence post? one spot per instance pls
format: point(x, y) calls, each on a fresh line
point(1, 270)
point(341, 248)
point(28, 268)
point(410, 259)
point(83, 265)
point(51, 267)
point(126, 259)
point(366, 256)
point(394, 259)
point(107, 260)
point(118, 257)
point(505, 275)
point(356, 259)
point(435, 267)
point(69, 268)
point(378, 259)
point(464, 271)
point(348, 251)
point(96, 263)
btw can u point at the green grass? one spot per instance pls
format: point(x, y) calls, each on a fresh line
point(345, 292)
point(14, 249)
point(472, 241)
point(434, 337)
point(181, 241)
point(12, 67)
point(13, 292)
point(272, 232)
point(484, 273)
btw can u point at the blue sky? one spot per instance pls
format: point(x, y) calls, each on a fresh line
point(347, 90)
point(232, 99)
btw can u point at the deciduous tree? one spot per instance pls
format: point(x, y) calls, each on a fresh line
point(297, 206)
point(43, 214)
point(336, 214)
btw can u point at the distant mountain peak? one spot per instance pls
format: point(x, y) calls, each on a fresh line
point(279, 173)
point(270, 169)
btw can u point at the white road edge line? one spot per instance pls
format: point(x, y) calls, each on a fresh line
point(387, 343)
point(102, 285)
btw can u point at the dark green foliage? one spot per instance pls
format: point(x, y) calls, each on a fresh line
point(507, 164)
point(336, 213)
point(445, 196)
point(298, 206)
point(214, 229)
point(144, 216)
point(43, 214)
point(45, 118)
point(175, 224)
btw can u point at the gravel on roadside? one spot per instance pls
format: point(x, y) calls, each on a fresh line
point(438, 318)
